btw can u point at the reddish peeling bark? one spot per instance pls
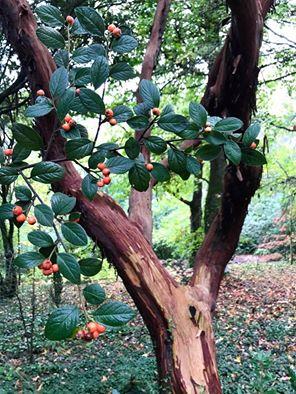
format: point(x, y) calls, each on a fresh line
point(140, 211)
point(231, 91)
point(178, 317)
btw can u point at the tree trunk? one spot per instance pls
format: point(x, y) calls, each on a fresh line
point(140, 203)
point(215, 189)
point(196, 206)
point(8, 284)
point(178, 317)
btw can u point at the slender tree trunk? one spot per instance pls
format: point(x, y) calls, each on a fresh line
point(178, 317)
point(140, 203)
point(9, 282)
point(196, 206)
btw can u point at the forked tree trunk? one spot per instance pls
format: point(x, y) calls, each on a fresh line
point(178, 317)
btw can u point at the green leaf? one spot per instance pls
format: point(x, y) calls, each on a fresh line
point(20, 153)
point(2, 156)
point(62, 204)
point(6, 211)
point(149, 93)
point(40, 239)
point(92, 101)
point(215, 138)
point(122, 71)
point(69, 267)
point(89, 187)
point(160, 172)
point(253, 157)
point(124, 44)
point(81, 76)
point(87, 54)
point(50, 15)
point(122, 113)
point(192, 165)
point(96, 158)
point(58, 82)
point(173, 122)
point(132, 148)
point(78, 148)
point(119, 164)
point(61, 58)
point(228, 125)
point(251, 134)
point(90, 20)
point(44, 215)
point(27, 137)
point(138, 122)
point(8, 175)
point(64, 104)
point(114, 313)
point(155, 144)
point(232, 152)
point(23, 193)
point(62, 323)
point(50, 37)
point(198, 114)
point(208, 152)
point(74, 233)
point(94, 294)
point(139, 177)
point(142, 109)
point(41, 108)
point(99, 71)
point(90, 266)
point(177, 161)
point(28, 260)
point(47, 172)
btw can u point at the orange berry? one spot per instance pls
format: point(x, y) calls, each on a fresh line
point(80, 334)
point(208, 129)
point(92, 326)
point(106, 171)
point(55, 268)
point(109, 113)
point(149, 166)
point(116, 32)
point(100, 183)
point(68, 118)
point(107, 180)
point(113, 121)
point(21, 218)
point(17, 210)
point(156, 111)
point(47, 264)
point(100, 328)
point(8, 152)
point(66, 127)
point(95, 334)
point(101, 166)
point(72, 123)
point(111, 28)
point(40, 92)
point(31, 220)
point(253, 145)
point(77, 91)
point(47, 272)
point(70, 20)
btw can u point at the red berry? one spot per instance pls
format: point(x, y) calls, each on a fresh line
point(156, 111)
point(101, 166)
point(107, 180)
point(55, 268)
point(66, 127)
point(8, 152)
point(92, 326)
point(40, 92)
point(70, 20)
point(100, 183)
point(31, 220)
point(21, 218)
point(72, 123)
point(208, 129)
point(106, 171)
point(68, 118)
point(17, 210)
point(77, 91)
point(47, 272)
point(111, 28)
point(95, 334)
point(149, 166)
point(116, 32)
point(253, 145)
point(47, 264)
point(109, 113)
point(113, 122)
point(100, 328)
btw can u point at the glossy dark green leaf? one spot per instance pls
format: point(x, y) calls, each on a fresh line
point(119, 164)
point(50, 15)
point(198, 114)
point(62, 323)
point(6, 211)
point(99, 71)
point(82, 76)
point(251, 134)
point(74, 233)
point(92, 101)
point(58, 82)
point(228, 125)
point(41, 108)
point(26, 136)
point(8, 175)
point(94, 294)
point(65, 102)
point(177, 161)
point(253, 157)
point(87, 54)
point(122, 71)
point(215, 137)
point(192, 165)
point(78, 148)
point(44, 215)
point(61, 58)
point(40, 239)
point(50, 37)
point(160, 172)
point(155, 144)
point(114, 313)
point(232, 152)
point(149, 93)
point(122, 113)
point(62, 204)
point(124, 44)
point(28, 260)
point(89, 187)
point(138, 122)
point(69, 267)
point(47, 172)
point(208, 152)
point(90, 20)
point(132, 148)
point(173, 122)
point(139, 177)
point(20, 153)
point(23, 193)
point(90, 266)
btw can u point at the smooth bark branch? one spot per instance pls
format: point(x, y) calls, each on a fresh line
point(231, 91)
point(140, 203)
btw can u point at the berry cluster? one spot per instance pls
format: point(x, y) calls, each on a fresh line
point(48, 268)
point(21, 217)
point(109, 117)
point(69, 123)
point(115, 31)
point(92, 331)
point(105, 171)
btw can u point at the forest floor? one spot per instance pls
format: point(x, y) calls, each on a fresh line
point(255, 335)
